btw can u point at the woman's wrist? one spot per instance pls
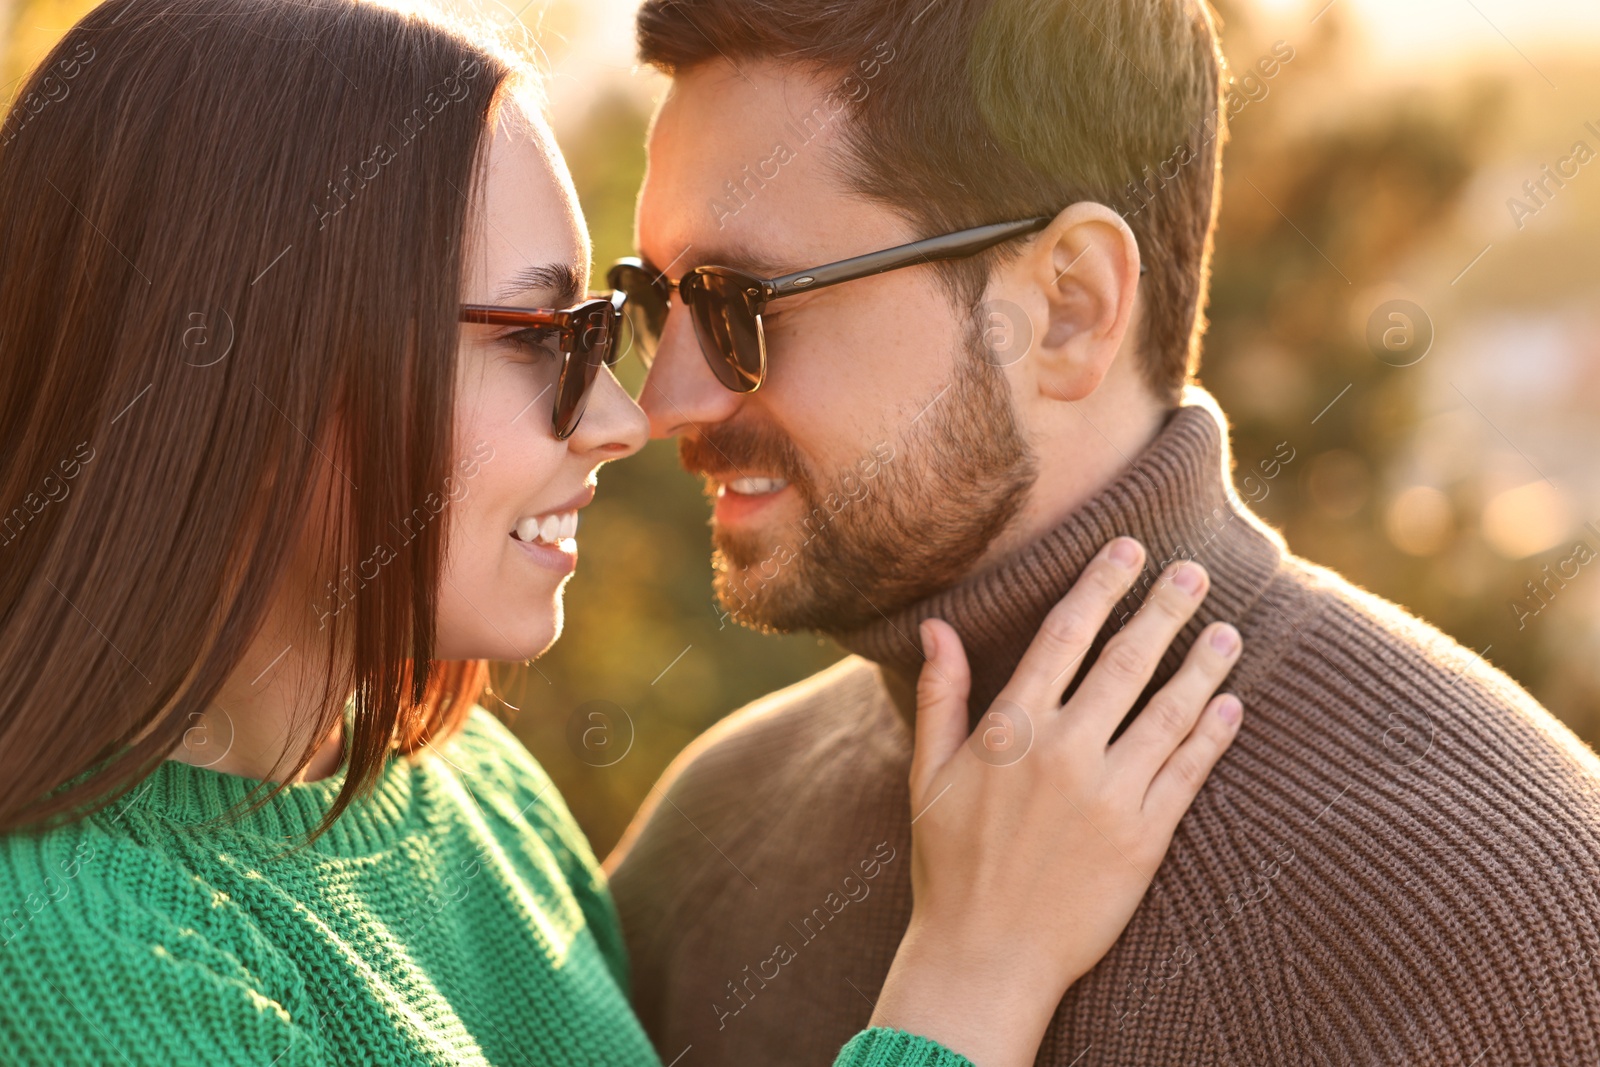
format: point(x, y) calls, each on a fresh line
point(973, 1000)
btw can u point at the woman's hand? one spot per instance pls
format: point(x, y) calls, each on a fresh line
point(1034, 838)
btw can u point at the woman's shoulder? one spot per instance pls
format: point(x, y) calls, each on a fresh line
point(98, 920)
point(39, 869)
point(94, 875)
point(509, 785)
point(95, 889)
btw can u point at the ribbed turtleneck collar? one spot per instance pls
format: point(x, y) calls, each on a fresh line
point(1176, 498)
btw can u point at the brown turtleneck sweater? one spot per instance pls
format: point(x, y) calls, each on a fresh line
point(1398, 861)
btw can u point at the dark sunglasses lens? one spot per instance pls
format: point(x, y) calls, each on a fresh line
point(728, 328)
point(594, 337)
point(646, 309)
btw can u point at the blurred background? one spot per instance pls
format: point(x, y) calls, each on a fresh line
point(1404, 293)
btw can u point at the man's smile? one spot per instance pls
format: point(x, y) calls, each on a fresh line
point(741, 499)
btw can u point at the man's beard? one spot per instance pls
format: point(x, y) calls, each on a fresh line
point(909, 518)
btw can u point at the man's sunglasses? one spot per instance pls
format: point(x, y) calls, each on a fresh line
point(586, 338)
point(726, 303)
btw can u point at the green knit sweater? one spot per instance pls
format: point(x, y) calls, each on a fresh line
point(457, 916)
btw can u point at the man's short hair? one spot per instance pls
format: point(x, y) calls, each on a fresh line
point(965, 112)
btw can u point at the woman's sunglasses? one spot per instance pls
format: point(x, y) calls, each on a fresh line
point(726, 303)
point(586, 337)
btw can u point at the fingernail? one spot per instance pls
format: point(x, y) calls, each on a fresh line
point(927, 639)
point(1187, 578)
point(1229, 709)
point(1225, 639)
point(1125, 552)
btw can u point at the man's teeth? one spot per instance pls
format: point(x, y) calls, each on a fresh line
point(550, 529)
point(756, 486)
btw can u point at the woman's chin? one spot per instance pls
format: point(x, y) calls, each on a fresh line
point(506, 640)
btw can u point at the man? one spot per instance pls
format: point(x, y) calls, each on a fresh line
point(1396, 861)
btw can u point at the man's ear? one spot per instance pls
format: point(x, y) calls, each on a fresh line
point(1080, 276)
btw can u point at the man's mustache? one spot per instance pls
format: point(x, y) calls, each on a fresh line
point(728, 451)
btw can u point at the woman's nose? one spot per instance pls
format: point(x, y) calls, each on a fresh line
point(613, 426)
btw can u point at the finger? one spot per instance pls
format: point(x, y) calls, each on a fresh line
point(1125, 665)
point(1186, 770)
point(1056, 653)
point(942, 689)
point(1170, 715)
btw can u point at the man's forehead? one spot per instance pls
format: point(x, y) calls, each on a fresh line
point(747, 190)
point(677, 244)
point(752, 88)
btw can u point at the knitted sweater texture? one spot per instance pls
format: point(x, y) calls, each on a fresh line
point(1397, 862)
point(454, 917)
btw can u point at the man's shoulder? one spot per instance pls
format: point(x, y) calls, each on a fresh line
point(837, 725)
point(852, 680)
point(1400, 838)
point(1335, 605)
point(1378, 739)
point(1370, 667)
point(844, 707)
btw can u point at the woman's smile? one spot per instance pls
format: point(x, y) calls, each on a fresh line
point(550, 538)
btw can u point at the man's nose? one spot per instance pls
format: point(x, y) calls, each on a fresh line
point(680, 391)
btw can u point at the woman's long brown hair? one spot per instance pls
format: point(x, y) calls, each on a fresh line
point(231, 250)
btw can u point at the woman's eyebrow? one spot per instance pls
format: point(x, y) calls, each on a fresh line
point(563, 281)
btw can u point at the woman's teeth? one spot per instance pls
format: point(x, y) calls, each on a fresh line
point(755, 486)
point(550, 529)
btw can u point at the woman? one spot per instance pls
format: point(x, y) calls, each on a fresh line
point(277, 499)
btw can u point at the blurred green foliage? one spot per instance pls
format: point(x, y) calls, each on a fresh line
point(1367, 182)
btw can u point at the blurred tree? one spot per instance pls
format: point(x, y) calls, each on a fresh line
point(1322, 207)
